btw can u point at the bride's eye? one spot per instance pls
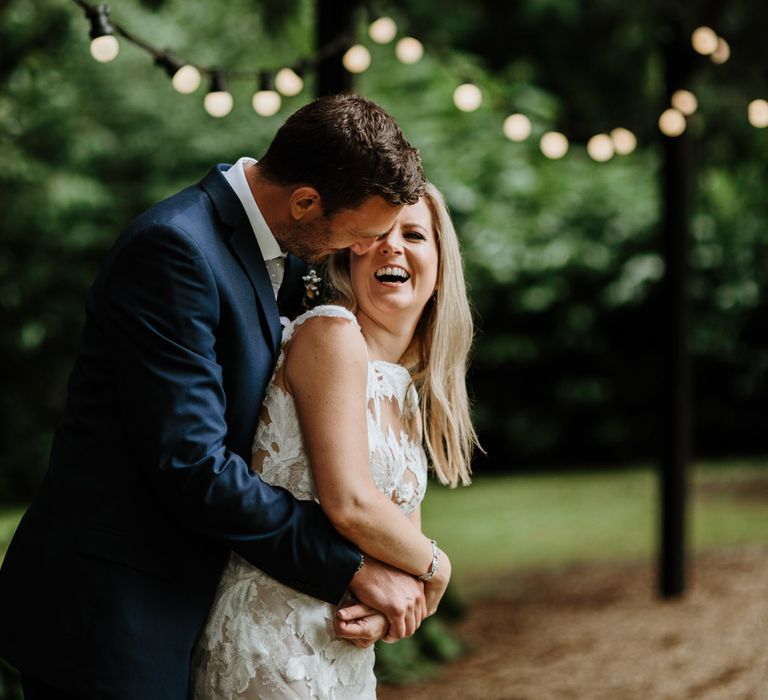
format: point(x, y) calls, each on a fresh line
point(414, 236)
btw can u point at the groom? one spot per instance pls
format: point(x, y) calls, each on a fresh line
point(108, 580)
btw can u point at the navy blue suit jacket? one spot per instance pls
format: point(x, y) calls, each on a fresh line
point(109, 578)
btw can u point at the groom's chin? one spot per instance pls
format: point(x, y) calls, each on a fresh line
point(317, 256)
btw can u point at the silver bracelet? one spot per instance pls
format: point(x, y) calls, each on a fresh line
point(435, 564)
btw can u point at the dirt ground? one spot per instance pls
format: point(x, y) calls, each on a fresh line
point(599, 632)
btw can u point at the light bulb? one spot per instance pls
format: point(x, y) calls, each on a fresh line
point(266, 103)
point(105, 48)
point(600, 148)
point(186, 80)
point(409, 50)
point(289, 82)
point(757, 113)
point(722, 53)
point(672, 122)
point(704, 40)
point(685, 101)
point(624, 141)
point(383, 30)
point(554, 145)
point(357, 59)
point(467, 97)
point(517, 127)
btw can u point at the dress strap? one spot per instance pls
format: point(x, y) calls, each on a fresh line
point(332, 310)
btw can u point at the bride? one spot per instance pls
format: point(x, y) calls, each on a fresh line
point(342, 424)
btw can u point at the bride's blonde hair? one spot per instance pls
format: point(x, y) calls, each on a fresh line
point(438, 354)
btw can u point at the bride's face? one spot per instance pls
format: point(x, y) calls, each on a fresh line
point(397, 275)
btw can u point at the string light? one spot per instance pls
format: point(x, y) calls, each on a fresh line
point(409, 50)
point(266, 101)
point(289, 82)
point(672, 122)
point(757, 113)
point(383, 30)
point(722, 53)
point(624, 141)
point(104, 45)
point(185, 78)
point(218, 102)
point(357, 59)
point(554, 145)
point(467, 97)
point(685, 101)
point(600, 148)
point(517, 127)
point(704, 41)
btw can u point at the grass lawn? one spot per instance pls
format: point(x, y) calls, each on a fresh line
point(502, 523)
point(506, 522)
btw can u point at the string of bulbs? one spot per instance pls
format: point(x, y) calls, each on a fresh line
point(186, 78)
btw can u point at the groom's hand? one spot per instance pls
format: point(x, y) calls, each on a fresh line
point(397, 595)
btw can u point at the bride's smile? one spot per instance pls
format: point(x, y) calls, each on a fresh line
point(396, 276)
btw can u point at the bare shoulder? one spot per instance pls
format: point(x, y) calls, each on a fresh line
point(324, 346)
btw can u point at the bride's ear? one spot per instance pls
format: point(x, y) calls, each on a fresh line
point(305, 204)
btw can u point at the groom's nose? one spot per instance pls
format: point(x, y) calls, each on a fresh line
point(361, 247)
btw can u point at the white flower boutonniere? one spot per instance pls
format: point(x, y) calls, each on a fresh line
point(312, 284)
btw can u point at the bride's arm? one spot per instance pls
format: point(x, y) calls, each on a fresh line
point(364, 626)
point(435, 588)
point(326, 370)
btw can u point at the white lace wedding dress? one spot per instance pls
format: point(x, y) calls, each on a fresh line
point(263, 639)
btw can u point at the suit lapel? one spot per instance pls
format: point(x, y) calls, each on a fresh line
point(292, 289)
point(245, 248)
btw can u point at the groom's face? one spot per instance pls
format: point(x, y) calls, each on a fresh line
point(315, 238)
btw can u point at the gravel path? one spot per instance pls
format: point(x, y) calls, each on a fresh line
point(599, 632)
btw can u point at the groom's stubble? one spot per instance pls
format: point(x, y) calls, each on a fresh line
point(310, 241)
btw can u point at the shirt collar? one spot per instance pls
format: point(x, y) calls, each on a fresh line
point(235, 176)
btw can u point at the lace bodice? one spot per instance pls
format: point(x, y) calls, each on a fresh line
point(263, 639)
point(397, 461)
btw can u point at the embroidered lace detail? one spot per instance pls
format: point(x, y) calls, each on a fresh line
point(263, 639)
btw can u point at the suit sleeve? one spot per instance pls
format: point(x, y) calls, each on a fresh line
point(159, 310)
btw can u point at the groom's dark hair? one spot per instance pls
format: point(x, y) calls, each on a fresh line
point(347, 148)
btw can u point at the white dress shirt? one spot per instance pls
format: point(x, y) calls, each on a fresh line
point(270, 248)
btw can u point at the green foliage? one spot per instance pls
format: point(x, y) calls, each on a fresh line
point(562, 256)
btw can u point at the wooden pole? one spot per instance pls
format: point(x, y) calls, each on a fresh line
point(675, 393)
point(334, 21)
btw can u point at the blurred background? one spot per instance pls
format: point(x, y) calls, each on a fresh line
point(562, 236)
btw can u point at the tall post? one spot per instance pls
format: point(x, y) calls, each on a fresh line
point(333, 27)
point(675, 393)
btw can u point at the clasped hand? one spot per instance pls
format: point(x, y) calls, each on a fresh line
point(391, 604)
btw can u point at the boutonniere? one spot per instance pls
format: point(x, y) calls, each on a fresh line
point(311, 289)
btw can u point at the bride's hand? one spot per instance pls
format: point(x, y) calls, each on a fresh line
point(434, 589)
point(364, 630)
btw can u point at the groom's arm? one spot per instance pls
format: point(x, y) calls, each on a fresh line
point(157, 306)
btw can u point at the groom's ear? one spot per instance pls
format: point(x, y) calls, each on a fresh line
point(305, 204)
